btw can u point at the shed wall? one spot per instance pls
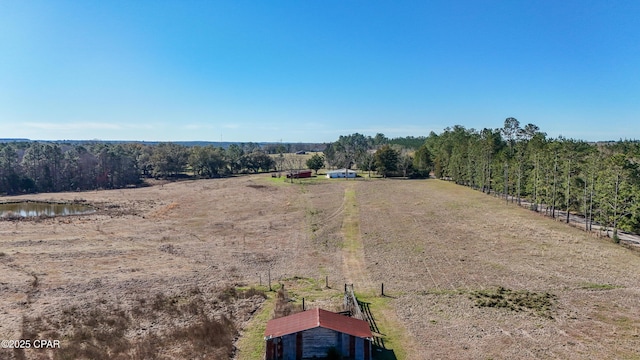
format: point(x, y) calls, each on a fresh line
point(316, 342)
point(343, 342)
point(360, 344)
point(289, 346)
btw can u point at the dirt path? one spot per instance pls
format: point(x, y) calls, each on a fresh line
point(354, 265)
point(355, 272)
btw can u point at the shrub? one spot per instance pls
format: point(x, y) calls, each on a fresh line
point(540, 304)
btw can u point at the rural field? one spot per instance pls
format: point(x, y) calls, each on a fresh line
point(181, 270)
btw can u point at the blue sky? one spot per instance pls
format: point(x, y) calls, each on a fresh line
point(310, 70)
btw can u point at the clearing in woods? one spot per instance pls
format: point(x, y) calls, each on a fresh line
point(468, 277)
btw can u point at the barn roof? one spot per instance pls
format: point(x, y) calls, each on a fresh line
point(314, 318)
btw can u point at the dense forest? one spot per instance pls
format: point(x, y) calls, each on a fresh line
point(600, 181)
point(27, 167)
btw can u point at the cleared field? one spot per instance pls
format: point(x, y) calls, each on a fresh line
point(162, 256)
point(468, 276)
point(446, 251)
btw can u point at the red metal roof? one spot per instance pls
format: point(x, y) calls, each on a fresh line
point(317, 318)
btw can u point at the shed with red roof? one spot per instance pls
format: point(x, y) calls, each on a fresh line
point(314, 333)
point(299, 174)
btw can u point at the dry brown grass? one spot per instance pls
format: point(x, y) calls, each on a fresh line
point(189, 325)
point(284, 305)
point(436, 245)
point(157, 264)
point(144, 252)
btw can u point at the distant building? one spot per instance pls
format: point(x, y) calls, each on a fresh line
point(341, 173)
point(298, 174)
point(314, 333)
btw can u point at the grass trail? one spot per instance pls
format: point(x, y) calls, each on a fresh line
point(355, 271)
point(354, 266)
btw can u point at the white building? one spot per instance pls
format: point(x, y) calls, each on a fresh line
point(341, 173)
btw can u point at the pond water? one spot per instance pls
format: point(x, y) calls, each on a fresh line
point(34, 209)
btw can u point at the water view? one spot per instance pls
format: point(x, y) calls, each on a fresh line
point(35, 209)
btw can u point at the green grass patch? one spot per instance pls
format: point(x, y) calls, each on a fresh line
point(302, 285)
point(314, 179)
point(594, 286)
point(350, 225)
point(393, 331)
point(284, 181)
point(310, 289)
point(276, 181)
point(251, 345)
point(522, 300)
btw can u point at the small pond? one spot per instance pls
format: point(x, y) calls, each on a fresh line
point(35, 209)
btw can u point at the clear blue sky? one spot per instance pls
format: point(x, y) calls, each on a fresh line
point(312, 70)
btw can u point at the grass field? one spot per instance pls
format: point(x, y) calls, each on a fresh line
point(438, 245)
point(467, 276)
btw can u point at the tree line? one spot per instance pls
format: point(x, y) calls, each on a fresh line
point(404, 156)
point(600, 181)
point(27, 167)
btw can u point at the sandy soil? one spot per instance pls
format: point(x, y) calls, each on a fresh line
point(433, 244)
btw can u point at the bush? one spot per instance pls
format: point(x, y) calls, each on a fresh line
point(540, 304)
point(419, 174)
point(616, 238)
